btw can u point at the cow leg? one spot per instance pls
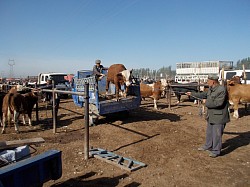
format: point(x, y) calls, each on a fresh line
point(117, 88)
point(236, 112)
point(16, 115)
point(29, 116)
point(4, 123)
point(107, 87)
point(178, 98)
point(125, 91)
point(235, 107)
point(155, 104)
point(9, 116)
point(203, 106)
point(23, 116)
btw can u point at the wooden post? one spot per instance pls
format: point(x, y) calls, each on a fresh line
point(169, 96)
point(244, 74)
point(199, 90)
point(222, 77)
point(86, 117)
point(53, 106)
point(245, 80)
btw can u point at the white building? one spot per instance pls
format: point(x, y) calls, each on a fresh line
point(195, 71)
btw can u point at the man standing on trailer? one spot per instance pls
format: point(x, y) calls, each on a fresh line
point(98, 70)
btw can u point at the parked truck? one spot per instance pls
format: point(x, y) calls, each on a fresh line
point(59, 80)
point(99, 103)
point(228, 74)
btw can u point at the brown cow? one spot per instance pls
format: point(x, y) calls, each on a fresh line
point(16, 103)
point(19, 89)
point(153, 91)
point(118, 75)
point(236, 79)
point(237, 93)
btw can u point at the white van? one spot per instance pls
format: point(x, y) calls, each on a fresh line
point(230, 73)
point(59, 79)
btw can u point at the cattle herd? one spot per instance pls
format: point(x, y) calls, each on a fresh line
point(13, 103)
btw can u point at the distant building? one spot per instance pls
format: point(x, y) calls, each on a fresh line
point(195, 71)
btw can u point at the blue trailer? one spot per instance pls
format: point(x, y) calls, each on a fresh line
point(33, 171)
point(99, 103)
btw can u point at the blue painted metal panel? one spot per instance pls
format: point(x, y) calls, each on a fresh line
point(32, 171)
point(96, 89)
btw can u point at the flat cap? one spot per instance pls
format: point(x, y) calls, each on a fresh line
point(98, 61)
point(213, 77)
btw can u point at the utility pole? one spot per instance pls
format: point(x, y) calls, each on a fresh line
point(11, 64)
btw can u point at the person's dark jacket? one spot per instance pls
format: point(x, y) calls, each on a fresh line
point(97, 70)
point(216, 103)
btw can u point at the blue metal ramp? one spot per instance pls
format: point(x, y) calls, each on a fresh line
point(120, 161)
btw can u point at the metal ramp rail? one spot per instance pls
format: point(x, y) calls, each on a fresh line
point(120, 161)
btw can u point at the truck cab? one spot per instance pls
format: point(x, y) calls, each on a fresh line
point(59, 80)
point(228, 74)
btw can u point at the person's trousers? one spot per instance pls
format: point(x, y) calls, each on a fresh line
point(214, 137)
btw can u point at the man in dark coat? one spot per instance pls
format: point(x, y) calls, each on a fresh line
point(98, 70)
point(217, 115)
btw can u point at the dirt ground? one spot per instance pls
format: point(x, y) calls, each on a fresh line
point(166, 140)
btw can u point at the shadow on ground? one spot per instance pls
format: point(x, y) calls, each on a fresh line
point(102, 181)
point(242, 139)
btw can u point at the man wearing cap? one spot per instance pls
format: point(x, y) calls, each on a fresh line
point(217, 115)
point(97, 70)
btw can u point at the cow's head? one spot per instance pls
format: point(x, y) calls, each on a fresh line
point(236, 79)
point(230, 82)
point(127, 74)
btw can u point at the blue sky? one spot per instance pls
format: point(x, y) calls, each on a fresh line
point(68, 35)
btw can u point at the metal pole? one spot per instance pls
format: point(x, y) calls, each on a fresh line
point(53, 107)
point(86, 117)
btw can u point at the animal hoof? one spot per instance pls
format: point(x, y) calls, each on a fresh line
point(108, 97)
point(3, 131)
